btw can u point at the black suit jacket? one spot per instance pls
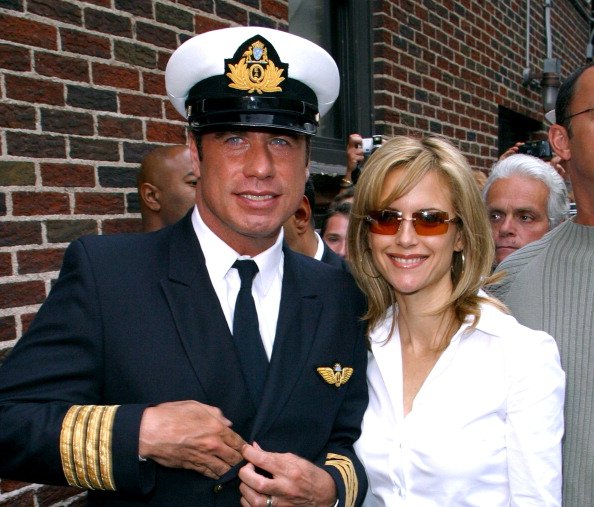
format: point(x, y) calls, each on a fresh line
point(331, 257)
point(133, 320)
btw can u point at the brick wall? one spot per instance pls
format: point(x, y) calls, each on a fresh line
point(82, 101)
point(445, 66)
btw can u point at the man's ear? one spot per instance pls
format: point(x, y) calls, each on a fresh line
point(194, 155)
point(150, 195)
point(302, 215)
point(559, 141)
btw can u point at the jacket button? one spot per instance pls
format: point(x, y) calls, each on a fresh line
point(218, 488)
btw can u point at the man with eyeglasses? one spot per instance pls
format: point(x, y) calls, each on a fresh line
point(550, 283)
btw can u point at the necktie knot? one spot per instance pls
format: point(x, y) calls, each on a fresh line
point(247, 270)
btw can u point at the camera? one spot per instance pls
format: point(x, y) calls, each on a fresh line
point(370, 144)
point(540, 149)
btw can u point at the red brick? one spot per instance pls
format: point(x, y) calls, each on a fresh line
point(157, 35)
point(118, 127)
point(165, 132)
point(96, 203)
point(113, 226)
point(207, 23)
point(8, 485)
point(17, 116)
point(75, 41)
point(153, 84)
point(162, 59)
point(73, 69)
point(232, 12)
point(40, 203)
point(5, 264)
point(103, 3)
point(21, 294)
point(121, 77)
point(20, 233)
point(139, 105)
point(28, 32)
point(34, 90)
point(60, 10)
point(7, 333)
point(39, 261)
point(15, 58)
point(67, 175)
point(172, 114)
point(279, 10)
point(52, 495)
point(35, 145)
point(26, 319)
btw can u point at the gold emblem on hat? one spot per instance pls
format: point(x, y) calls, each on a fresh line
point(336, 375)
point(255, 72)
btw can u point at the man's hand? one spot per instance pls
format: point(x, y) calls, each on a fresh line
point(295, 481)
point(354, 154)
point(188, 434)
point(515, 149)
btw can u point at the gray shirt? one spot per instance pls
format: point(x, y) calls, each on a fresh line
point(550, 286)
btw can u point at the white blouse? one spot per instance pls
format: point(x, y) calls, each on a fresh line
point(484, 430)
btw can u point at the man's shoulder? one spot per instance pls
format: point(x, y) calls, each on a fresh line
point(127, 251)
point(321, 274)
point(523, 260)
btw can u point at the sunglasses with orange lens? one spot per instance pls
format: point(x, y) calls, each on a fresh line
point(426, 223)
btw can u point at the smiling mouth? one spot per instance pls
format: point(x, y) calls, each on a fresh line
point(409, 261)
point(252, 197)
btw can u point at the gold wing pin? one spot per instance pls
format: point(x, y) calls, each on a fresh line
point(336, 375)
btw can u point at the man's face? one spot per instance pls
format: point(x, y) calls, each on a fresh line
point(517, 209)
point(581, 135)
point(335, 233)
point(177, 185)
point(250, 182)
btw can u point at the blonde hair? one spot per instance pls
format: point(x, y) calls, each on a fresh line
point(470, 268)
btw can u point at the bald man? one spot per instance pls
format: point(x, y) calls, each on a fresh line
point(300, 232)
point(166, 186)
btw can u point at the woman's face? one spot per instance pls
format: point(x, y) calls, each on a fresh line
point(414, 264)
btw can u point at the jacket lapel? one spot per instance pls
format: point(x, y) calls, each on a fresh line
point(298, 319)
point(203, 329)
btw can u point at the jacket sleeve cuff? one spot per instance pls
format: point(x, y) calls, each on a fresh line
point(343, 472)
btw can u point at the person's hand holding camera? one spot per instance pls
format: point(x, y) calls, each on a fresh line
point(354, 157)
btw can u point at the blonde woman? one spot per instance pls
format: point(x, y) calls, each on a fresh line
point(466, 404)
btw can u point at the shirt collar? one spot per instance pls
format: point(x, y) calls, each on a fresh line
point(320, 250)
point(490, 318)
point(220, 257)
point(489, 323)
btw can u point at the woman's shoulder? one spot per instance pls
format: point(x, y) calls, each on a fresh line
point(512, 334)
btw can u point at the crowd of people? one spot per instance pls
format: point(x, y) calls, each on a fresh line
point(429, 344)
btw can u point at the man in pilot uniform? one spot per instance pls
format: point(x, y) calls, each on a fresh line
point(143, 379)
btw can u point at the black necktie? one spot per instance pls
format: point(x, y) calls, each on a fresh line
point(246, 332)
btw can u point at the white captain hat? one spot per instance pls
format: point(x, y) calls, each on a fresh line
point(251, 77)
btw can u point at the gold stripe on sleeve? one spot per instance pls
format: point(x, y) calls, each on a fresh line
point(79, 445)
point(66, 454)
point(347, 471)
point(92, 448)
point(105, 450)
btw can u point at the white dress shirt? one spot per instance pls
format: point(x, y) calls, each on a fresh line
point(266, 287)
point(320, 250)
point(484, 430)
